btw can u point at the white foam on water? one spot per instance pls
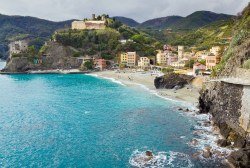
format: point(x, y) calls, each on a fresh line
point(160, 160)
point(111, 79)
point(206, 138)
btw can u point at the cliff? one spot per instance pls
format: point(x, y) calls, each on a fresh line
point(55, 56)
point(228, 101)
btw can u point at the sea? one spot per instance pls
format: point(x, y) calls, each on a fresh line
point(79, 120)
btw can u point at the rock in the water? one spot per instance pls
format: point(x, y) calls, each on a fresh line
point(149, 153)
point(180, 109)
point(207, 152)
point(196, 155)
point(194, 142)
point(223, 143)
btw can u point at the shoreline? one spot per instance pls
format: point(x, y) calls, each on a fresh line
point(57, 71)
point(205, 134)
point(188, 95)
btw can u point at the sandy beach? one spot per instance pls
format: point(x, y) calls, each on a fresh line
point(188, 94)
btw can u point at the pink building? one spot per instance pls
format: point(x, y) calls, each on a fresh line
point(197, 68)
point(171, 59)
point(101, 63)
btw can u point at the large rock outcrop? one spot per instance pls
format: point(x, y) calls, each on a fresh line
point(172, 80)
point(56, 56)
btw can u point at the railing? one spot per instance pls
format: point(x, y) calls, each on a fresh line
point(229, 79)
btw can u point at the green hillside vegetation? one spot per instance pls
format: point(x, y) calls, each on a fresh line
point(105, 43)
point(160, 23)
point(194, 21)
point(19, 27)
point(217, 33)
point(199, 19)
point(241, 35)
point(127, 21)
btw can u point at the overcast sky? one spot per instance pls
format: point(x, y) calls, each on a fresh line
point(140, 10)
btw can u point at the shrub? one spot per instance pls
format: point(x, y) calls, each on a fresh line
point(76, 54)
point(246, 64)
point(168, 69)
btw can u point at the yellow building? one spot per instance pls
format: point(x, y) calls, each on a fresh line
point(123, 58)
point(129, 59)
point(144, 62)
point(161, 58)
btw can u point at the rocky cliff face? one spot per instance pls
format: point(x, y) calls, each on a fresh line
point(56, 56)
point(229, 103)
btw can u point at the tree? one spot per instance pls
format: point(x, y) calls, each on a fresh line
point(89, 65)
point(190, 64)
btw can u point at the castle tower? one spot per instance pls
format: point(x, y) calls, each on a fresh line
point(93, 16)
point(180, 52)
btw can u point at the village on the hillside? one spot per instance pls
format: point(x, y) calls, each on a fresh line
point(179, 59)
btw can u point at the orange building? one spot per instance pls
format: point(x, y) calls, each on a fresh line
point(101, 64)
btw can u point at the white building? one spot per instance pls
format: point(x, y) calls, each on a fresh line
point(18, 47)
point(180, 52)
point(144, 62)
point(215, 50)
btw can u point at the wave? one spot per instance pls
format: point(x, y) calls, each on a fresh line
point(160, 160)
point(205, 137)
point(111, 79)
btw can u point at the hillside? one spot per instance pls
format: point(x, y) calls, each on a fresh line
point(199, 19)
point(160, 23)
point(68, 45)
point(195, 20)
point(127, 21)
point(20, 27)
point(216, 33)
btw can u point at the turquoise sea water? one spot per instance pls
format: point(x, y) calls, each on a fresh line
point(84, 121)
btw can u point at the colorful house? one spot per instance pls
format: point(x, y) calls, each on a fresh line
point(101, 64)
point(198, 68)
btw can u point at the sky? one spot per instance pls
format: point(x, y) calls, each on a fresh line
point(140, 10)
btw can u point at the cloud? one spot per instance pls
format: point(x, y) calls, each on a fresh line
point(139, 10)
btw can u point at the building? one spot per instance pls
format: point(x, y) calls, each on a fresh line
point(89, 24)
point(178, 64)
point(198, 68)
point(180, 52)
point(131, 59)
point(125, 41)
point(215, 50)
point(161, 58)
point(101, 64)
point(18, 47)
point(144, 62)
point(199, 55)
point(211, 60)
point(124, 58)
point(171, 58)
